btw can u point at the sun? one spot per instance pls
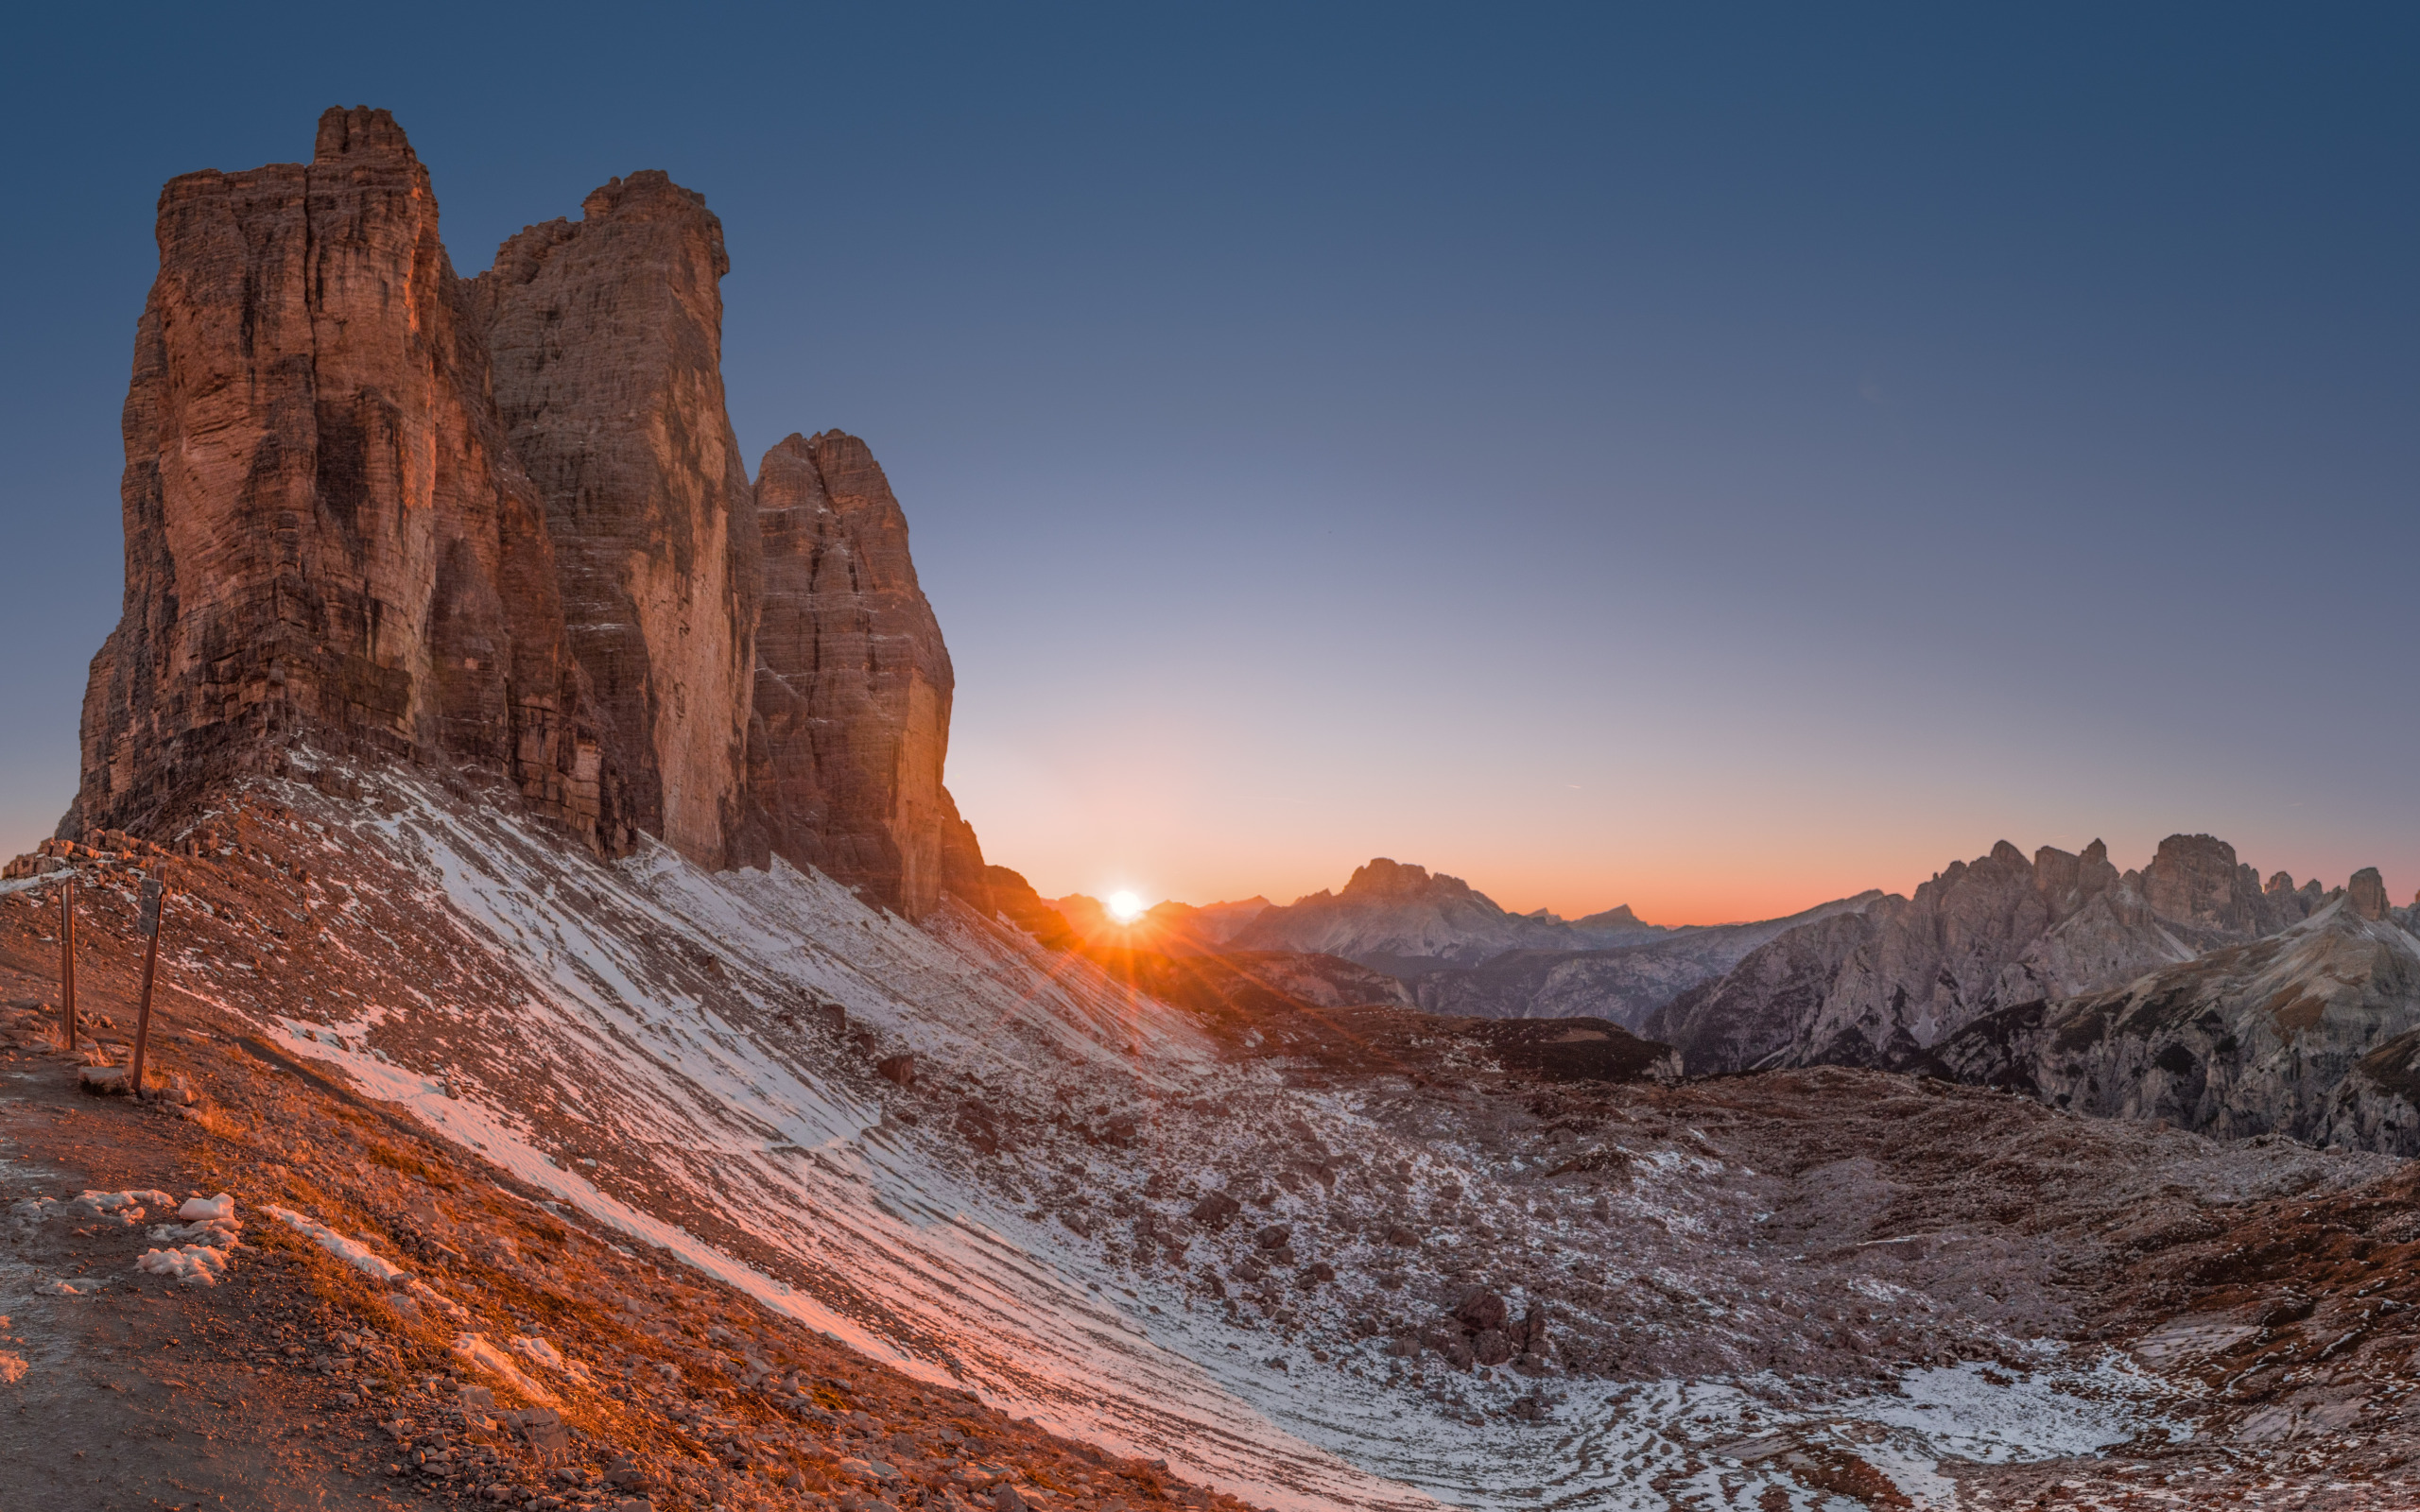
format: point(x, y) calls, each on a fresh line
point(1125, 907)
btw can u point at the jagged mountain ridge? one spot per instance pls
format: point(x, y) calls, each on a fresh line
point(1625, 983)
point(503, 524)
point(1881, 985)
point(2282, 1035)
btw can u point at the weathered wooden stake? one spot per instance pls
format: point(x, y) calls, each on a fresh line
point(67, 961)
point(149, 923)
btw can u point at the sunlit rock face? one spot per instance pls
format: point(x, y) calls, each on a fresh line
point(607, 335)
point(501, 524)
point(852, 685)
point(323, 526)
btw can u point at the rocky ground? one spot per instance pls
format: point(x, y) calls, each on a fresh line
point(1317, 1255)
point(304, 1376)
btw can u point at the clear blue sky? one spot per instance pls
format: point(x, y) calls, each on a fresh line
point(1707, 457)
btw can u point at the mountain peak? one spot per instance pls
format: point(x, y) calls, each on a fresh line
point(1382, 878)
point(2366, 893)
point(359, 132)
point(1617, 917)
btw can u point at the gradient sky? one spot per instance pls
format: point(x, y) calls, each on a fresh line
point(1712, 457)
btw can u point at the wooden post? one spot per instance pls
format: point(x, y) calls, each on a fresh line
point(67, 961)
point(149, 923)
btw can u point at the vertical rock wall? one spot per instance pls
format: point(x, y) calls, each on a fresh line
point(504, 524)
point(853, 681)
point(323, 525)
point(605, 335)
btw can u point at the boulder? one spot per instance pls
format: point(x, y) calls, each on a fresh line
point(1480, 1310)
point(1214, 1209)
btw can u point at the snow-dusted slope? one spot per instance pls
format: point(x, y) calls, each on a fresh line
point(691, 1058)
point(661, 1066)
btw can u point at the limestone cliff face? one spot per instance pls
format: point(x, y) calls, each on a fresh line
point(2308, 1032)
point(853, 683)
point(605, 335)
point(503, 524)
point(323, 527)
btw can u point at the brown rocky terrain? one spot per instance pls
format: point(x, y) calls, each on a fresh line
point(299, 1379)
point(1522, 1232)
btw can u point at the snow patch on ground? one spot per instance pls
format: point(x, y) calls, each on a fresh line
point(194, 1264)
point(352, 1251)
point(474, 1349)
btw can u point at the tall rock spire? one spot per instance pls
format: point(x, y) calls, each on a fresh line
point(605, 335)
point(853, 682)
point(504, 524)
point(322, 527)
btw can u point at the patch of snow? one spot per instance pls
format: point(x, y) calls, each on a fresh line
point(352, 1251)
point(474, 1349)
point(122, 1207)
point(197, 1210)
point(192, 1265)
point(538, 1351)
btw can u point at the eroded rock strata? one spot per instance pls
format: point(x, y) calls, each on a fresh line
point(607, 342)
point(1880, 986)
point(325, 529)
point(503, 525)
point(853, 682)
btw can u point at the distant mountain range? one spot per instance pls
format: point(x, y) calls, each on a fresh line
point(1625, 983)
point(2189, 990)
point(2310, 1032)
point(1404, 920)
point(1461, 953)
point(1904, 973)
point(1204, 925)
